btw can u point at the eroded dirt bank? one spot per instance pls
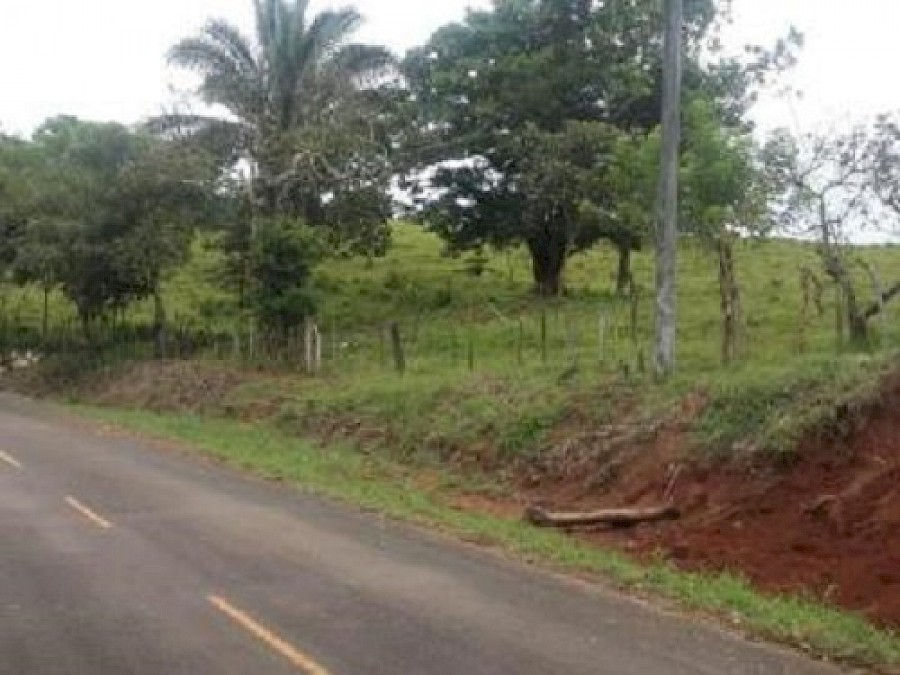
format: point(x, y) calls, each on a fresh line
point(827, 524)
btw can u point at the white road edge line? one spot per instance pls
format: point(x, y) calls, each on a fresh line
point(288, 651)
point(99, 521)
point(13, 462)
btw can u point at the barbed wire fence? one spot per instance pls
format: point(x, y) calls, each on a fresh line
point(564, 339)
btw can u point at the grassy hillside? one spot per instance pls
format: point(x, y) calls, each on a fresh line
point(443, 307)
point(494, 368)
point(438, 298)
point(478, 366)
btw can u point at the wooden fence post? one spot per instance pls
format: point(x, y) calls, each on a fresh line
point(544, 335)
point(572, 340)
point(635, 311)
point(839, 315)
point(334, 342)
point(804, 308)
point(312, 347)
point(397, 347)
point(601, 338)
point(520, 347)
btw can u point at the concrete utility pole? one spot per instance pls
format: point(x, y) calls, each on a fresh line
point(667, 207)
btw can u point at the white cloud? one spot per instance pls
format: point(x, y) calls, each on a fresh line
point(847, 68)
point(105, 59)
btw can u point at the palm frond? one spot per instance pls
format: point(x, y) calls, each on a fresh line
point(298, 18)
point(230, 75)
point(206, 57)
point(235, 42)
point(269, 17)
point(330, 31)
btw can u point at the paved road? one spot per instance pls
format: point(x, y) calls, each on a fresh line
point(119, 558)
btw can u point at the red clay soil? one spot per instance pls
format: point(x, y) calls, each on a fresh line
point(827, 526)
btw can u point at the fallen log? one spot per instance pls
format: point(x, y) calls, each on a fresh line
point(540, 517)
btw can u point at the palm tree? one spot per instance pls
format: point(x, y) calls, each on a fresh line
point(298, 73)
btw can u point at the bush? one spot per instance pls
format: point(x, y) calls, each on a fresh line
point(282, 260)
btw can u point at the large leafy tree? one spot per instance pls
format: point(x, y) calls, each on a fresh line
point(281, 263)
point(75, 211)
point(620, 201)
point(20, 178)
point(38, 258)
point(111, 211)
point(299, 97)
point(160, 198)
point(526, 67)
point(726, 195)
point(543, 204)
point(539, 65)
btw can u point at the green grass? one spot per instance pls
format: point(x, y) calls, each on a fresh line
point(477, 368)
point(513, 393)
point(428, 417)
point(443, 309)
point(773, 408)
point(492, 418)
point(375, 483)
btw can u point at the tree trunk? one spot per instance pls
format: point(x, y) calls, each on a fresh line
point(86, 327)
point(805, 302)
point(667, 221)
point(397, 347)
point(730, 300)
point(858, 324)
point(244, 280)
point(612, 517)
point(623, 275)
point(548, 259)
point(856, 319)
point(160, 328)
point(45, 318)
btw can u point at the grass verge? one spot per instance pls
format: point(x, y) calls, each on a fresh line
point(374, 483)
point(773, 409)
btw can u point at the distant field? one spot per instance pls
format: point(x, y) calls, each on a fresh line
point(452, 319)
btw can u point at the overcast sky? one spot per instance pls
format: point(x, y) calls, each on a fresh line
point(104, 59)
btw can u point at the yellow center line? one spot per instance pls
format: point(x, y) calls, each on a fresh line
point(100, 522)
point(288, 651)
point(14, 463)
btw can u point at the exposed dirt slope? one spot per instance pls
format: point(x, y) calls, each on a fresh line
point(827, 525)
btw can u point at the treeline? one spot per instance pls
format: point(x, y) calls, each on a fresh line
point(530, 124)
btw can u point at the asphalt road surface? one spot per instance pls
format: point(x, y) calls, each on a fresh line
point(117, 557)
